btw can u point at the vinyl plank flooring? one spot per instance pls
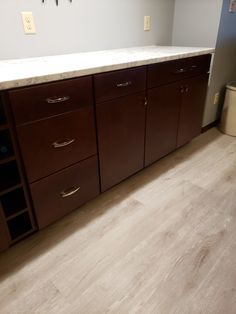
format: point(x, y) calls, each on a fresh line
point(161, 242)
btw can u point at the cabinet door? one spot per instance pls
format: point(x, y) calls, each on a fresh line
point(121, 128)
point(162, 121)
point(192, 108)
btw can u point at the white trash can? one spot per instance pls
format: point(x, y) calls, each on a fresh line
point(228, 119)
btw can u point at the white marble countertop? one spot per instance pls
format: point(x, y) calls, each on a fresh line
point(25, 72)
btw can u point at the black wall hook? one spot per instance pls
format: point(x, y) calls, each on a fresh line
point(57, 2)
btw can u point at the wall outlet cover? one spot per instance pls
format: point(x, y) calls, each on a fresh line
point(28, 22)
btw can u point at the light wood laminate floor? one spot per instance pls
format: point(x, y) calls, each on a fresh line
point(163, 241)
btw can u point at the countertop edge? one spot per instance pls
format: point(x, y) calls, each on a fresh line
point(24, 82)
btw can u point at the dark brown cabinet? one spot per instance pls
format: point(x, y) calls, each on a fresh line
point(72, 148)
point(192, 107)
point(162, 121)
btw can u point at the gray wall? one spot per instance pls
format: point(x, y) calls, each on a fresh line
point(82, 26)
point(196, 22)
point(224, 67)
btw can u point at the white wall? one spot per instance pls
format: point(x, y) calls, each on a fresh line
point(82, 26)
point(196, 22)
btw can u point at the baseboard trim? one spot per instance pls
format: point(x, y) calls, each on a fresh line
point(211, 125)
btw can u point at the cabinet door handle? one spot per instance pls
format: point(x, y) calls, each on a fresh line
point(55, 100)
point(59, 144)
point(181, 89)
point(70, 191)
point(186, 89)
point(125, 84)
point(180, 71)
point(145, 102)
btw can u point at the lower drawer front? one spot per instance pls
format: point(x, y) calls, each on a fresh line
point(64, 191)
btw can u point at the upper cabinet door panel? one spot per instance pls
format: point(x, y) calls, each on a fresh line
point(119, 83)
point(38, 102)
point(171, 71)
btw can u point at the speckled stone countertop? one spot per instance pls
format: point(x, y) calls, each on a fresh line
point(25, 72)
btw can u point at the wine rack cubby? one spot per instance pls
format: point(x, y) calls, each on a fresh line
point(17, 219)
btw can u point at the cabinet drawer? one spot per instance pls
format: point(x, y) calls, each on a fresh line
point(64, 191)
point(167, 72)
point(119, 83)
point(38, 102)
point(55, 143)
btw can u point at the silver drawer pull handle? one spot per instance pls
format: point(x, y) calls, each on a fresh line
point(180, 71)
point(67, 142)
point(70, 191)
point(125, 84)
point(55, 100)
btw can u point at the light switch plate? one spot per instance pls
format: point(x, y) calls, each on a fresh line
point(147, 23)
point(28, 22)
